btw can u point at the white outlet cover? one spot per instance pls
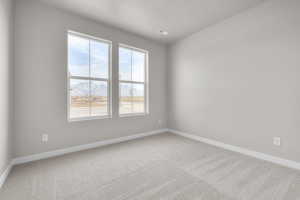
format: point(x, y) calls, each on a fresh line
point(277, 141)
point(45, 138)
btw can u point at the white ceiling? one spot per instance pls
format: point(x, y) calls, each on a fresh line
point(147, 17)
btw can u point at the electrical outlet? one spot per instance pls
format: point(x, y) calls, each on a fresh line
point(45, 138)
point(277, 141)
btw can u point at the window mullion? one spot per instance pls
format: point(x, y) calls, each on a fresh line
point(131, 68)
point(131, 89)
point(145, 84)
point(90, 82)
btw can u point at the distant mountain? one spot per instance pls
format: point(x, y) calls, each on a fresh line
point(82, 88)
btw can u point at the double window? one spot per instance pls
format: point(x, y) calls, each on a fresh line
point(90, 83)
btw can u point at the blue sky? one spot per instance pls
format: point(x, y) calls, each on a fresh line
point(79, 57)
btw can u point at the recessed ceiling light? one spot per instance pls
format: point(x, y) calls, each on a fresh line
point(162, 32)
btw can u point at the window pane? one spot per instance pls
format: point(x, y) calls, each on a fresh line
point(99, 59)
point(138, 98)
point(125, 98)
point(78, 56)
point(125, 64)
point(138, 66)
point(79, 98)
point(131, 98)
point(99, 100)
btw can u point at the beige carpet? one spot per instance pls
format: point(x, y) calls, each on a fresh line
point(161, 167)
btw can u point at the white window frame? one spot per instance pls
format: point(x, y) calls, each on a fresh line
point(145, 83)
point(108, 80)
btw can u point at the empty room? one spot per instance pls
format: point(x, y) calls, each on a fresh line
point(149, 100)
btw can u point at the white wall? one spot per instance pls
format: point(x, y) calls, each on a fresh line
point(238, 82)
point(41, 81)
point(6, 21)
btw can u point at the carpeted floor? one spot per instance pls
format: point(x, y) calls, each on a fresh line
point(161, 167)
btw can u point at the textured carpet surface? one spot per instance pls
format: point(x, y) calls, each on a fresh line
point(162, 167)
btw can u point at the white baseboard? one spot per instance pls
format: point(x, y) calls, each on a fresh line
point(4, 175)
point(255, 154)
point(35, 157)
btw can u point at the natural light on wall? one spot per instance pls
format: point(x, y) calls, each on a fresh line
point(132, 81)
point(89, 77)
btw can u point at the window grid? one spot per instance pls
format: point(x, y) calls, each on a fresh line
point(144, 83)
point(90, 78)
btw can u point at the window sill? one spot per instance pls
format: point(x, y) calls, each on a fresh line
point(133, 115)
point(89, 118)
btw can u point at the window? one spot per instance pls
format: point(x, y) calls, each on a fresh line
point(89, 77)
point(132, 81)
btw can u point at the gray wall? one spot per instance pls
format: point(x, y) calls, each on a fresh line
point(6, 21)
point(238, 82)
point(41, 81)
